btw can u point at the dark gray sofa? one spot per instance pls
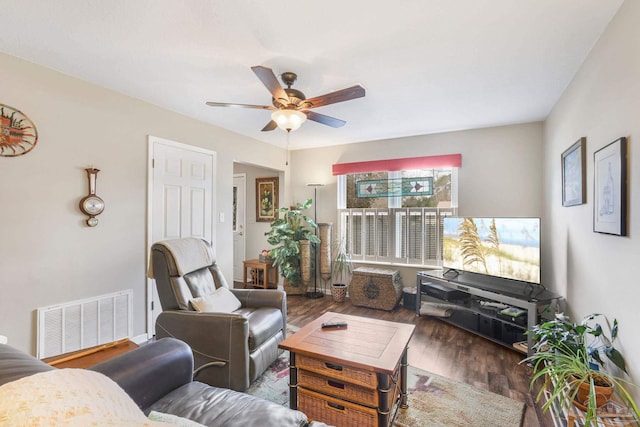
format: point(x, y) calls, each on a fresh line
point(158, 377)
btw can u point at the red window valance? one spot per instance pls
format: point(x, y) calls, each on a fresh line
point(426, 162)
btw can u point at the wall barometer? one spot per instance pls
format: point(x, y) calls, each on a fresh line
point(92, 205)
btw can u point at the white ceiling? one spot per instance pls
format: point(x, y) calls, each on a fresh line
point(428, 65)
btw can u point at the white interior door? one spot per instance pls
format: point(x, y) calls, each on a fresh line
point(239, 224)
point(181, 201)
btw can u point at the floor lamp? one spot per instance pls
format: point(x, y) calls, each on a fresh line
point(315, 293)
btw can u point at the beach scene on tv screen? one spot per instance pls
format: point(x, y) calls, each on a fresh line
point(504, 247)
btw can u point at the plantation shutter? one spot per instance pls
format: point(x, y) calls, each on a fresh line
point(400, 233)
point(383, 234)
point(431, 240)
point(370, 236)
point(414, 236)
point(356, 230)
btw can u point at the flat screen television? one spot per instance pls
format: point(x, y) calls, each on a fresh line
point(501, 247)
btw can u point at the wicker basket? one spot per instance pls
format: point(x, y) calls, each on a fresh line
point(338, 372)
point(375, 288)
point(340, 389)
point(324, 231)
point(332, 411)
point(305, 261)
point(339, 292)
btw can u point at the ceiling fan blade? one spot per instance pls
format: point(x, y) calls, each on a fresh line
point(270, 81)
point(227, 104)
point(342, 95)
point(270, 126)
point(325, 120)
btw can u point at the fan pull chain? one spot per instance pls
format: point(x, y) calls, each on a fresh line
point(286, 163)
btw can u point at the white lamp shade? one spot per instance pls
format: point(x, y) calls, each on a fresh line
point(288, 119)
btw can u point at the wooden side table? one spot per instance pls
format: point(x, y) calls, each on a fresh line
point(258, 273)
point(351, 376)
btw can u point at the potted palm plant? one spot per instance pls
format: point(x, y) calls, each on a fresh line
point(341, 271)
point(286, 233)
point(569, 357)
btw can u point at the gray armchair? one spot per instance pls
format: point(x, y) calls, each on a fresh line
point(231, 347)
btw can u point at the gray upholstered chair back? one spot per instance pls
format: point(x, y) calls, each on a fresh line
point(184, 269)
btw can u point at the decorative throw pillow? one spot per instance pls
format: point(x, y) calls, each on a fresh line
point(68, 397)
point(220, 301)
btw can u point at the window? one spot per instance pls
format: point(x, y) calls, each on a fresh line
point(402, 229)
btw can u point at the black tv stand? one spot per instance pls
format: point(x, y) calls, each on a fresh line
point(474, 302)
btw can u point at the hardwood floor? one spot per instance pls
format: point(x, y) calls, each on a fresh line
point(442, 349)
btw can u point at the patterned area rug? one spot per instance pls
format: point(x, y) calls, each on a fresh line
point(433, 400)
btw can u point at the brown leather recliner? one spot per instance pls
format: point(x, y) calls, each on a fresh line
point(230, 349)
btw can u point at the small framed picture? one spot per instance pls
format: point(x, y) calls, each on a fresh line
point(266, 199)
point(574, 188)
point(610, 188)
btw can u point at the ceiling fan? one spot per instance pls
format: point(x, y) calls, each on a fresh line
point(290, 106)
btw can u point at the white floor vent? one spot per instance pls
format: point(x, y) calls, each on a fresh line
point(81, 324)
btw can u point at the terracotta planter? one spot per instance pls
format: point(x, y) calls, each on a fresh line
point(603, 394)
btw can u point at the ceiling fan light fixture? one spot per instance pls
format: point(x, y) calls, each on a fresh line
point(288, 119)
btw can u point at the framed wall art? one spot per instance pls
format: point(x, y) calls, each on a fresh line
point(266, 199)
point(610, 188)
point(574, 188)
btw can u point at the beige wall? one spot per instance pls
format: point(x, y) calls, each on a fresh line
point(598, 272)
point(47, 254)
point(500, 173)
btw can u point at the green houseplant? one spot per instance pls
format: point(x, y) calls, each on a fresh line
point(569, 357)
point(285, 234)
point(341, 270)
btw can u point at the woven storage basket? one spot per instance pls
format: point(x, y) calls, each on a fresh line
point(305, 261)
point(324, 230)
point(339, 292)
point(375, 288)
point(340, 389)
point(335, 412)
point(338, 372)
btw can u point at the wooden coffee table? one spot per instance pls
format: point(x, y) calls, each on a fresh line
point(349, 376)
